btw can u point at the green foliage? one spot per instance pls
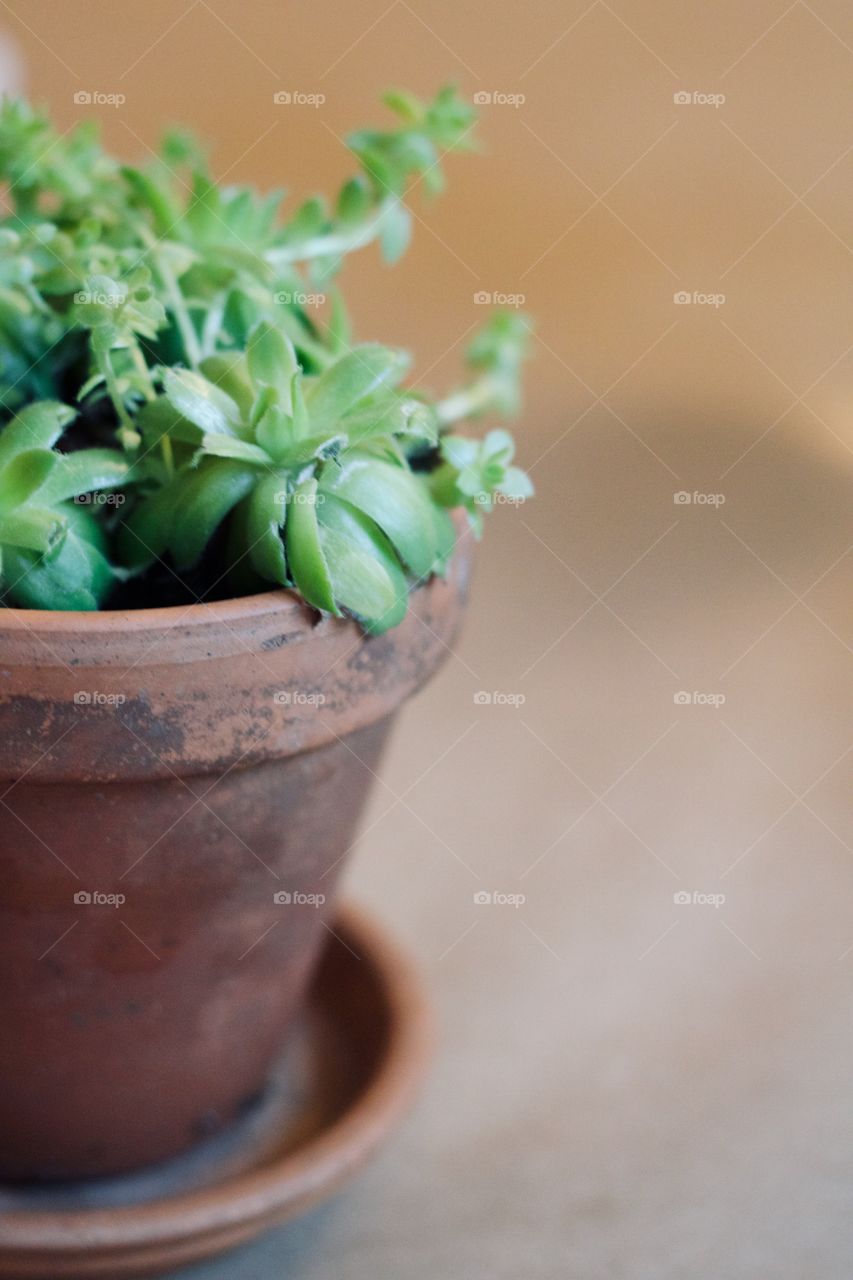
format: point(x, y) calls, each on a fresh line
point(173, 403)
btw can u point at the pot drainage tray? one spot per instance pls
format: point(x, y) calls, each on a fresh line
point(350, 1068)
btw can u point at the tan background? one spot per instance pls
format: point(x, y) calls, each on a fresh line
point(629, 1087)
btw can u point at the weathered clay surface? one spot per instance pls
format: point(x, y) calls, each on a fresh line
point(102, 696)
point(358, 1053)
point(194, 763)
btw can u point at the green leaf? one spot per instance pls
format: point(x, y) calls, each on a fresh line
point(23, 476)
point(445, 538)
point(158, 418)
point(86, 471)
point(206, 497)
point(351, 379)
point(271, 359)
point(36, 427)
point(365, 574)
point(266, 514)
point(308, 566)
point(77, 577)
point(228, 447)
point(405, 104)
point(340, 329)
point(32, 529)
point(395, 231)
point(516, 484)
point(395, 500)
point(144, 536)
point(200, 402)
point(354, 201)
point(229, 371)
point(274, 432)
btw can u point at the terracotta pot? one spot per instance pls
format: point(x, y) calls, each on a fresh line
point(166, 773)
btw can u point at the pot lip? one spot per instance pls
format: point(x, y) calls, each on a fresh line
point(282, 601)
point(99, 621)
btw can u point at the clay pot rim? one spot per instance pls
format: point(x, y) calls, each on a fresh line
point(233, 608)
point(281, 602)
point(227, 1213)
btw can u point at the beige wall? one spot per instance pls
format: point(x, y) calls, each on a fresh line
point(598, 198)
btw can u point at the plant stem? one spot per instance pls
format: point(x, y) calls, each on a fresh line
point(477, 398)
point(176, 300)
point(332, 243)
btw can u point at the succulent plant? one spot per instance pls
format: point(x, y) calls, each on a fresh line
point(173, 407)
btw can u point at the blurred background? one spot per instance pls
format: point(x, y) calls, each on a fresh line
point(644, 1067)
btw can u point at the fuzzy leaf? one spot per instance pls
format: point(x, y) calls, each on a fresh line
point(23, 476)
point(228, 447)
point(271, 359)
point(32, 529)
point(305, 558)
point(200, 402)
point(266, 514)
point(206, 497)
point(77, 577)
point(365, 574)
point(395, 500)
point(351, 379)
point(36, 427)
point(86, 471)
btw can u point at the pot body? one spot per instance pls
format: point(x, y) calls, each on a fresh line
point(180, 790)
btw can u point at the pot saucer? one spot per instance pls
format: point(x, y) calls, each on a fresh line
point(350, 1068)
